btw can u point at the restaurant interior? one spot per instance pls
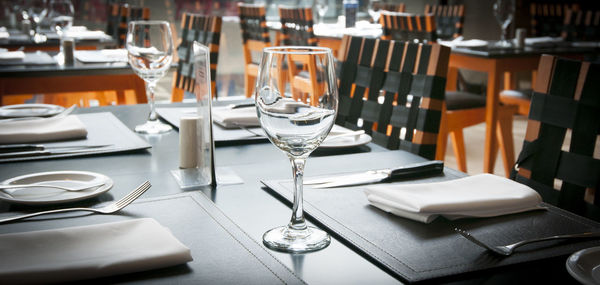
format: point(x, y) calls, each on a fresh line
point(430, 141)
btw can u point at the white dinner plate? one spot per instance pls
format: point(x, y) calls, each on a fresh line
point(47, 196)
point(30, 110)
point(584, 265)
point(344, 142)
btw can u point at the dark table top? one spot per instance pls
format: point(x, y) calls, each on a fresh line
point(18, 39)
point(492, 52)
point(248, 205)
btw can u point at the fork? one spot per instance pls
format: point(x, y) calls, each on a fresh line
point(507, 250)
point(108, 209)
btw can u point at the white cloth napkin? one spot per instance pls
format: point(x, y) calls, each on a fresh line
point(4, 33)
point(483, 195)
point(105, 55)
point(233, 118)
point(12, 55)
point(42, 130)
point(543, 41)
point(92, 251)
point(460, 42)
point(85, 34)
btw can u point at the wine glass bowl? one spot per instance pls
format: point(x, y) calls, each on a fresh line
point(35, 11)
point(504, 11)
point(61, 15)
point(322, 7)
point(374, 10)
point(150, 53)
point(297, 126)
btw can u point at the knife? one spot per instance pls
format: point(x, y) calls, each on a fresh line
point(373, 176)
point(11, 148)
point(63, 150)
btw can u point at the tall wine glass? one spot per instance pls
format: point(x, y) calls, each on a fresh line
point(61, 19)
point(322, 7)
point(35, 11)
point(375, 10)
point(150, 52)
point(504, 11)
point(297, 128)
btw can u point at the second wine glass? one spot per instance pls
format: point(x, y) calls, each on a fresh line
point(150, 53)
point(297, 127)
point(504, 11)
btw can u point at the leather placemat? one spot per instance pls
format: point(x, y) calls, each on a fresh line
point(223, 253)
point(103, 129)
point(413, 251)
point(221, 135)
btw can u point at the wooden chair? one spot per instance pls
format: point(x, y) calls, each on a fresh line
point(255, 37)
point(120, 16)
point(548, 19)
point(393, 7)
point(560, 151)
point(580, 25)
point(394, 90)
point(449, 20)
point(408, 27)
point(207, 31)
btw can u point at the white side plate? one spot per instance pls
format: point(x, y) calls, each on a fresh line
point(30, 110)
point(47, 196)
point(344, 142)
point(584, 265)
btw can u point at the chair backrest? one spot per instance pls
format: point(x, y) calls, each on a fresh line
point(449, 20)
point(297, 26)
point(120, 16)
point(581, 25)
point(561, 151)
point(394, 90)
point(408, 27)
point(393, 7)
point(207, 31)
point(547, 19)
point(255, 34)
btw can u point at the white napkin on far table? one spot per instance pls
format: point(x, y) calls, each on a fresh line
point(483, 195)
point(92, 251)
point(12, 55)
point(42, 130)
point(233, 118)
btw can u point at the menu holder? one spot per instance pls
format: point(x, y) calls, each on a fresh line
point(103, 129)
point(222, 251)
point(412, 251)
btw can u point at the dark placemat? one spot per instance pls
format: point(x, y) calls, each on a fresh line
point(221, 135)
point(413, 251)
point(103, 129)
point(223, 253)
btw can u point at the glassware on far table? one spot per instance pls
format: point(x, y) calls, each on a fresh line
point(297, 127)
point(35, 11)
point(375, 10)
point(150, 52)
point(322, 7)
point(61, 19)
point(504, 11)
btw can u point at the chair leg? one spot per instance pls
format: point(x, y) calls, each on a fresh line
point(505, 138)
point(248, 85)
point(176, 95)
point(458, 144)
point(442, 141)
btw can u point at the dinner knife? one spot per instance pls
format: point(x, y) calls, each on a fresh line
point(33, 147)
point(64, 150)
point(373, 176)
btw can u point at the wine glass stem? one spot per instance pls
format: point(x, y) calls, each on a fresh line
point(297, 222)
point(503, 35)
point(150, 86)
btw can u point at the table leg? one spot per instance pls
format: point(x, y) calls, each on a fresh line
point(451, 79)
point(491, 119)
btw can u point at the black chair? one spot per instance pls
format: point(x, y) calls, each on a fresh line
point(397, 99)
point(565, 104)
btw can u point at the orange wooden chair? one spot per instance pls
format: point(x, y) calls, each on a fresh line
point(255, 37)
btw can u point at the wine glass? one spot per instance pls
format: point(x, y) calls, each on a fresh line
point(375, 10)
point(150, 52)
point(61, 18)
point(297, 128)
point(321, 9)
point(35, 11)
point(504, 11)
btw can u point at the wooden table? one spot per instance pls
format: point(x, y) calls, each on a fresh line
point(80, 77)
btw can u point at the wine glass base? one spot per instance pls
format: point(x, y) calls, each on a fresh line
point(297, 241)
point(504, 44)
point(153, 127)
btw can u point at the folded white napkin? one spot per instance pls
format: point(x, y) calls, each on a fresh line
point(483, 195)
point(543, 41)
point(12, 55)
point(105, 55)
point(85, 34)
point(460, 42)
point(234, 118)
point(42, 130)
point(76, 253)
point(4, 33)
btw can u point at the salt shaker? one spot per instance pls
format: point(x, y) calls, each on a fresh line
point(520, 34)
point(68, 49)
point(188, 141)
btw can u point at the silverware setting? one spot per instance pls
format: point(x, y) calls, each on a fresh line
point(374, 176)
point(35, 150)
point(509, 249)
point(107, 209)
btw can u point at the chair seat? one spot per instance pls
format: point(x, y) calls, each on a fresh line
point(457, 100)
point(521, 98)
point(517, 94)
